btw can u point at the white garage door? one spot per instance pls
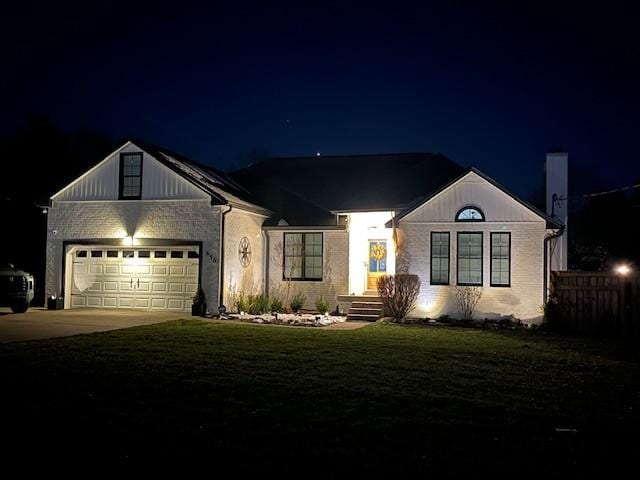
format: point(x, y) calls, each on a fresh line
point(162, 278)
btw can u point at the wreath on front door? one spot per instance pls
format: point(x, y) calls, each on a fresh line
point(378, 252)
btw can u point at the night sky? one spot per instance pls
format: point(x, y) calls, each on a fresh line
point(495, 87)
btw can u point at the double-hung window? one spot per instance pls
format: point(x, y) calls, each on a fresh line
point(302, 256)
point(439, 258)
point(130, 176)
point(500, 259)
point(470, 258)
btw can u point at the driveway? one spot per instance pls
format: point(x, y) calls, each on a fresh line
point(39, 323)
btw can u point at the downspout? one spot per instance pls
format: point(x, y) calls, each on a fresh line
point(265, 262)
point(221, 256)
point(546, 261)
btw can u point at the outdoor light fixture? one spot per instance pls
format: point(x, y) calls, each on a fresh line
point(623, 269)
point(127, 241)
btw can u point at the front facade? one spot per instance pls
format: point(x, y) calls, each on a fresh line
point(146, 227)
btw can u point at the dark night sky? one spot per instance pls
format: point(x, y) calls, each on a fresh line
point(490, 86)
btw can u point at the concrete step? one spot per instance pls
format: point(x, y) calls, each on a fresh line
point(366, 311)
point(362, 317)
point(367, 304)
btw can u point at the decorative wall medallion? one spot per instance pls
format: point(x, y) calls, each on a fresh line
point(244, 252)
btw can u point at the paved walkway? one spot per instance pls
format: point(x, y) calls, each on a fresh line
point(38, 323)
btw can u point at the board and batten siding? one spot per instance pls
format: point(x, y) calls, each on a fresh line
point(335, 268)
point(524, 297)
point(102, 181)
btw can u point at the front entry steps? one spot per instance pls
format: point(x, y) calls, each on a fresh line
point(367, 310)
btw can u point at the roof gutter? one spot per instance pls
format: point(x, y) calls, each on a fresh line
point(221, 256)
point(547, 239)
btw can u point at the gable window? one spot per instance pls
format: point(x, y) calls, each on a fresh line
point(470, 214)
point(470, 258)
point(130, 176)
point(500, 259)
point(302, 256)
point(439, 258)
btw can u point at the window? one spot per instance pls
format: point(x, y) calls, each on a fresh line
point(112, 254)
point(302, 256)
point(81, 254)
point(96, 253)
point(160, 254)
point(500, 259)
point(144, 253)
point(177, 254)
point(130, 176)
point(439, 258)
point(192, 254)
point(470, 258)
point(127, 254)
point(470, 214)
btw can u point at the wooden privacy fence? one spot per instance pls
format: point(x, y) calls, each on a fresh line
point(596, 303)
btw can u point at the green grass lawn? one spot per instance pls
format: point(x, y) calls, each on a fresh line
point(379, 398)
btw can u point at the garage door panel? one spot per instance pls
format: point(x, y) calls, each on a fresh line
point(157, 287)
point(159, 270)
point(146, 282)
point(175, 304)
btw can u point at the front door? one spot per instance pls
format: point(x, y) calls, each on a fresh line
point(377, 263)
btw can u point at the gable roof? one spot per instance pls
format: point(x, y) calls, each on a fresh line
point(222, 188)
point(328, 184)
point(551, 222)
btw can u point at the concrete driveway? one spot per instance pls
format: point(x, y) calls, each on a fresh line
point(39, 323)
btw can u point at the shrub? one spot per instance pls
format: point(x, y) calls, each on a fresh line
point(322, 305)
point(468, 298)
point(399, 294)
point(276, 304)
point(198, 298)
point(297, 301)
point(259, 304)
point(242, 302)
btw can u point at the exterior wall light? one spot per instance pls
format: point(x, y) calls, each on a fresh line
point(127, 241)
point(623, 269)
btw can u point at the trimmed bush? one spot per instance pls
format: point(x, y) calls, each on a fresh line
point(276, 304)
point(399, 294)
point(297, 301)
point(322, 305)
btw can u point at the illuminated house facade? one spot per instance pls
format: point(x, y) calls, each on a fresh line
point(145, 227)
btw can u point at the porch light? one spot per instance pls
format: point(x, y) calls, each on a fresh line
point(623, 269)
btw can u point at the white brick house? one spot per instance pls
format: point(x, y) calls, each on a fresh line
point(145, 227)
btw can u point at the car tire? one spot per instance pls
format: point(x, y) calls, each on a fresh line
point(19, 307)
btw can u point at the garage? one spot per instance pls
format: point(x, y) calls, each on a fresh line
point(160, 278)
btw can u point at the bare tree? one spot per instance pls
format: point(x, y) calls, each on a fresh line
point(399, 294)
point(278, 259)
point(468, 298)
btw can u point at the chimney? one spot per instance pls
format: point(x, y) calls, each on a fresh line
point(557, 194)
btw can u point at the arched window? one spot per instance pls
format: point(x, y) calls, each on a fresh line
point(470, 214)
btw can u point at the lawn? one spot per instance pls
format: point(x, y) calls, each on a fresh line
point(379, 398)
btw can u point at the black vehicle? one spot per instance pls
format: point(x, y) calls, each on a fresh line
point(16, 289)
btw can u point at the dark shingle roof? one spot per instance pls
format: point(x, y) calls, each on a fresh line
point(296, 187)
point(220, 185)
